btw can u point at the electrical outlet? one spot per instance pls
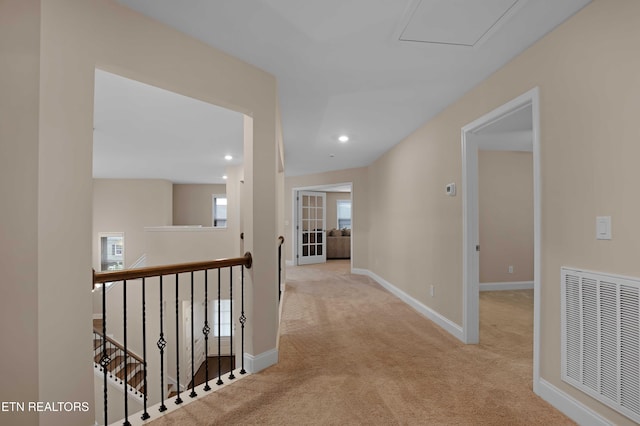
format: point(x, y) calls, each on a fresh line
point(432, 291)
point(511, 269)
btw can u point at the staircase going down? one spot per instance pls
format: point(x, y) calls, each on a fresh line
point(115, 362)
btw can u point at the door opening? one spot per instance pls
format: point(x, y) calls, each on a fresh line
point(311, 227)
point(471, 140)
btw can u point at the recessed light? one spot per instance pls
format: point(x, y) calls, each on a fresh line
point(228, 157)
point(224, 177)
point(343, 138)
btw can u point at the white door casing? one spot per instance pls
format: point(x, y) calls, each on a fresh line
point(470, 208)
point(311, 227)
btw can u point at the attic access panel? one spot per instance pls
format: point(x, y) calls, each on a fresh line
point(456, 22)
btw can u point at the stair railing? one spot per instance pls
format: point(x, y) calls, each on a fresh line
point(117, 369)
point(105, 359)
point(280, 243)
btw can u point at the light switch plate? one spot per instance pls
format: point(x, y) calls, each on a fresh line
point(603, 227)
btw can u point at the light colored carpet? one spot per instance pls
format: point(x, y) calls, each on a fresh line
point(351, 353)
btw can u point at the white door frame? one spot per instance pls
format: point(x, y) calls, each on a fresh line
point(470, 271)
point(311, 259)
point(294, 214)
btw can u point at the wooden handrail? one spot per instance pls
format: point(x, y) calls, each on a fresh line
point(281, 239)
point(118, 345)
point(154, 271)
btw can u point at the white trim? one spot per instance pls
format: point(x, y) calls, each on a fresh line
point(537, 234)
point(140, 263)
point(471, 238)
point(571, 407)
point(470, 222)
point(517, 285)
point(445, 323)
point(259, 362)
point(135, 419)
point(290, 263)
point(115, 383)
point(185, 228)
point(172, 381)
point(97, 316)
point(294, 226)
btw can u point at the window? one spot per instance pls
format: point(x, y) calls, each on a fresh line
point(219, 211)
point(111, 251)
point(344, 214)
point(225, 318)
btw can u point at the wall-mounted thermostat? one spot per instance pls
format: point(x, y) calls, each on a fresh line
point(451, 190)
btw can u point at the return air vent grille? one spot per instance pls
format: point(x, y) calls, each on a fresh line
point(601, 338)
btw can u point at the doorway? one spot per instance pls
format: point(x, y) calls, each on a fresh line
point(335, 218)
point(311, 227)
point(471, 243)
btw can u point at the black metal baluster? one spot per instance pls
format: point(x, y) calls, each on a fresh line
point(206, 330)
point(219, 382)
point(178, 399)
point(162, 343)
point(193, 393)
point(126, 355)
point(280, 268)
point(145, 414)
point(231, 358)
point(243, 319)
point(105, 360)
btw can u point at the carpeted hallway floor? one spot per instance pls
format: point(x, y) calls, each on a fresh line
point(351, 353)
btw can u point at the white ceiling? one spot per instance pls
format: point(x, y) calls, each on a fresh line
point(513, 132)
point(342, 67)
point(141, 131)
point(457, 22)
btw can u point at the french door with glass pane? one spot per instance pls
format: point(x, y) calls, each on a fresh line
point(311, 227)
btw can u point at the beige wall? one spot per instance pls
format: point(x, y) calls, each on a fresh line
point(332, 207)
point(165, 246)
point(587, 71)
point(19, 85)
point(193, 204)
point(359, 209)
point(65, 206)
point(129, 205)
point(505, 188)
point(53, 48)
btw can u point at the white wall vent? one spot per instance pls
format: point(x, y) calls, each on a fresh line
point(601, 338)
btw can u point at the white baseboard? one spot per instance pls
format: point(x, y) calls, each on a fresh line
point(290, 263)
point(97, 316)
point(171, 380)
point(448, 325)
point(571, 407)
point(518, 285)
point(259, 362)
point(136, 419)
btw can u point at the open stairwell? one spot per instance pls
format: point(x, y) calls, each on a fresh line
point(115, 362)
point(133, 388)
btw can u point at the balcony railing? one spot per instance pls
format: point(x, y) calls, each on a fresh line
point(280, 243)
point(118, 363)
